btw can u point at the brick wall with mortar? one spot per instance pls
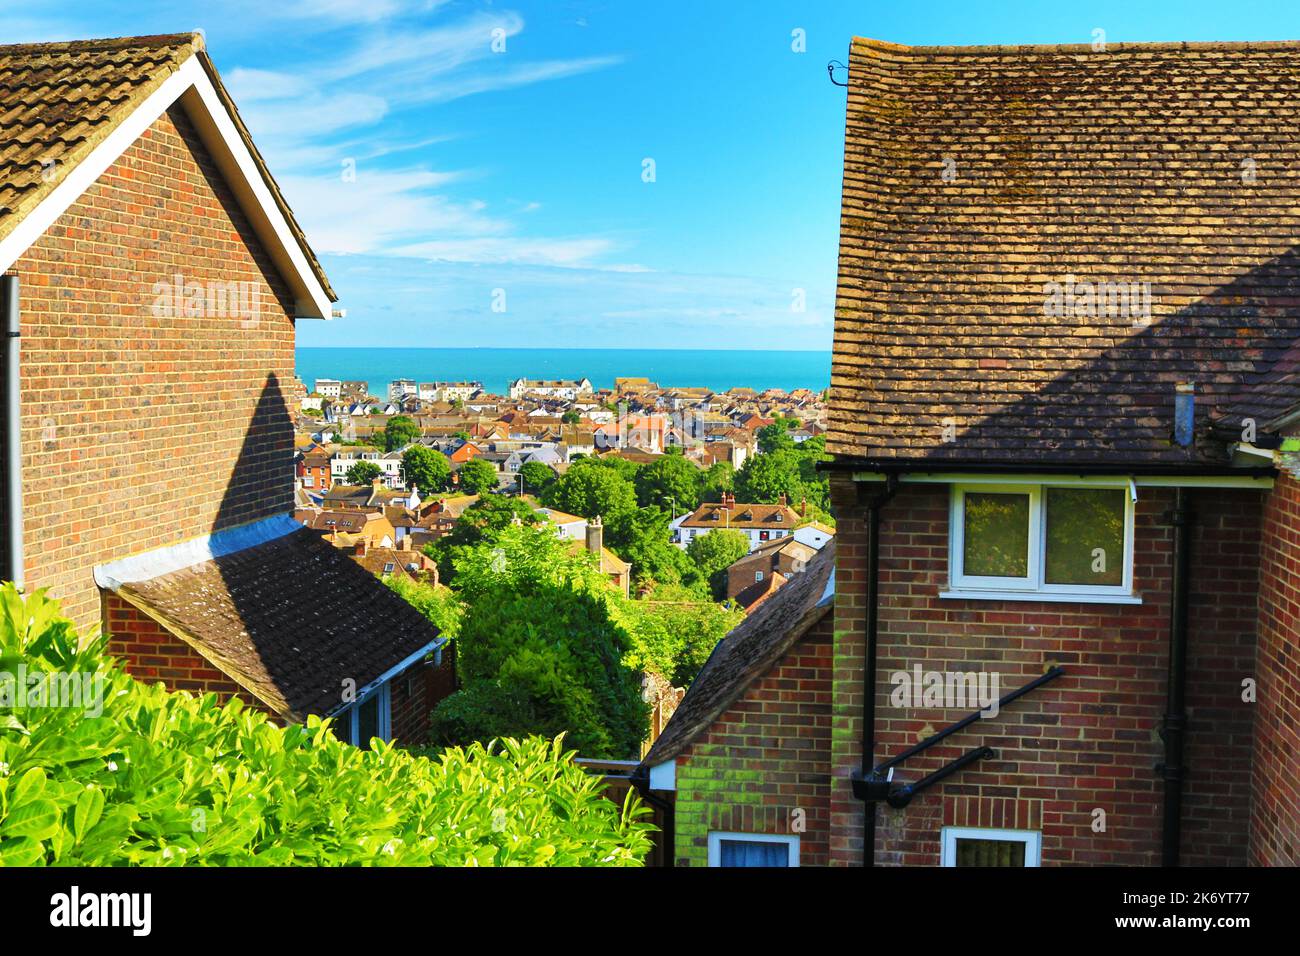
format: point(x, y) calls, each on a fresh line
point(139, 429)
point(1087, 741)
point(767, 756)
point(1275, 808)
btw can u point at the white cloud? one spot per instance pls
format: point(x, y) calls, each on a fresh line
point(516, 250)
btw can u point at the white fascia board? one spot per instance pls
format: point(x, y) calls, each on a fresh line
point(1093, 481)
point(663, 776)
point(365, 691)
point(186, 554)
point(191, 85)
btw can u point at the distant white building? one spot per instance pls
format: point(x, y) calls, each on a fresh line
point(329, 387)
point(400, 388)
point(454, 391)
point(568, 389)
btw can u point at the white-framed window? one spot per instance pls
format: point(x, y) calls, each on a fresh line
point(758, 576)
point(1050, 541)
point(369, 717)
point(977, 846)
point(753, 849)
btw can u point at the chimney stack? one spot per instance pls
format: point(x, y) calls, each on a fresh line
point(595, 536)
point(360, 548)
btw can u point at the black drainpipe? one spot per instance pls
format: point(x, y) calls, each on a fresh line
point(11, 457)
point(1182, 518)
point(869, 670)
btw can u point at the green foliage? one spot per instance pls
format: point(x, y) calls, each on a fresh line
point(774, 438)
point(717, 478)
point(362, 473)
point(400, 431)
point(542, 645)
point(571, 417)
point(590, 488)
point(439, 604)
point(672, 477)
point(477, 477)
point(623, 467)
point(642, 538)
point(426, 469)
point(162, 778)
point(716, 551)
point(790, 471)
point(674, 630)
point(480, 521)
point(536, 475)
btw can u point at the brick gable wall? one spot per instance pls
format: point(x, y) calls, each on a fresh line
point(765, 758)
point(1275, 809)
point(140, 430)
point(1087, 742)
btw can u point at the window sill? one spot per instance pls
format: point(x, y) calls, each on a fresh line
point(1056, 597)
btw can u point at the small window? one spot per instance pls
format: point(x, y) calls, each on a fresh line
point(1064, 540)
point(389, 568)
point(370, 717)
point(753, 850)
point(758, 576)
point(969, 846)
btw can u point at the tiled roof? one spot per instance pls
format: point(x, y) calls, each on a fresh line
point(747, 653)
point(758, 592)
point(290, 619)
point(58, 101)
point(976, 177)
point(743, 516)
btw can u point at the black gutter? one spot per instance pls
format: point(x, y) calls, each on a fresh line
point(903, 795)
point(869, 663)
point(1079, 468)
point(11, 456)
point(1175, 722)
point(641, 780)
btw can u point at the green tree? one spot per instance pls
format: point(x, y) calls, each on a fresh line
point(643, 539)
point(764, 478)
point(716, 551)
point(589, 489)
point(675, 629)
point(717, 478)
point(542, 645)
point(477, 477)
point(571, 417)
point(362, 473)
point(775, 438)
point(535, 476)
point(671, 478)
point(400, 431)
point(426, 469)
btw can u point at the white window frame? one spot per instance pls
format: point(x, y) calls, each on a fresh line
point(1034, 587)
point(717, 836)
point(1032, 839)
point(350, 714)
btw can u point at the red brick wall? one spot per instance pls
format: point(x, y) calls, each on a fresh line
point(412, 701)
point(1275, 810)
point(765, 757)
point(1087, 741)
point(140, 430)
point(150, 653)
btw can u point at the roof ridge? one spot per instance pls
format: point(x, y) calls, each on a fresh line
point(861, 42)
point(194, 38)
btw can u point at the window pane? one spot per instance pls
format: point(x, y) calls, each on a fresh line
point(1085, 536)
point(343, 726)
point(996, 535)
point(990, 852)
point(753, 853)
point(367, 721)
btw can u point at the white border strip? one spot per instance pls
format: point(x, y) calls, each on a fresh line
point(187, 554)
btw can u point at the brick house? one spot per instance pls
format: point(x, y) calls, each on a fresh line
point(1062, 416)
point(156, 274)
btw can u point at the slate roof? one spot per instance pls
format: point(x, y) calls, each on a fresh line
point(747, 653)
point(289, 619)
point(58, 101)
point(976, 176)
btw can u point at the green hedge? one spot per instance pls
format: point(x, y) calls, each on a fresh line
point(162, 778)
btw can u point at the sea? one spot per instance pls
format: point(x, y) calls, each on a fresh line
point(715, 369)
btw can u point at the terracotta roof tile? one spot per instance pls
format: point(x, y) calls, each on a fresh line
point(976, 176)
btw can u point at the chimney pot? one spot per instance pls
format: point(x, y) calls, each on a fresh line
point(595, 535)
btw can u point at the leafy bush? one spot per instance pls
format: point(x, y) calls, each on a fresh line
point(437, 603)
point(674, 631)
point(161, 778)
point(714, 552)
point(477, 477)
point(362, 473)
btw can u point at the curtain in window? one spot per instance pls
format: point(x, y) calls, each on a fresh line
point(753, 853)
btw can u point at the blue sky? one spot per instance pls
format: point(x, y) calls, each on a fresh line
point(522, 170)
